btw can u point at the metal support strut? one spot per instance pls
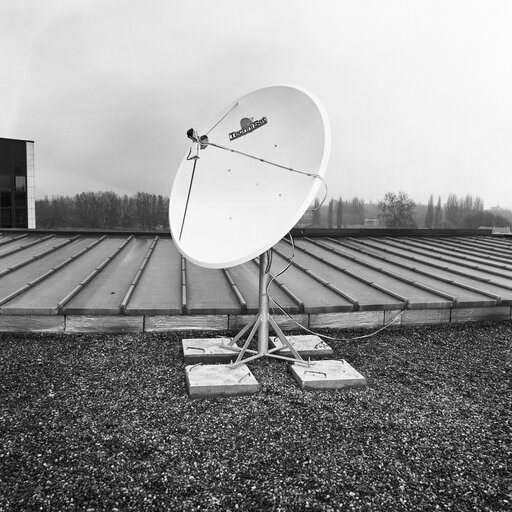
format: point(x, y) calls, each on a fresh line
point(261, 324)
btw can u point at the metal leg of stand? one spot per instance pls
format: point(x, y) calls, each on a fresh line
point(261, 324)
point(284, 339)
point(249, 338)
point(243, 331)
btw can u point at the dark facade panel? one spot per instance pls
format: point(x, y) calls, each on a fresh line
point(17, 208)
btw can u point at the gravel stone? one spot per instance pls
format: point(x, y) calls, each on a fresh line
point(103, 422)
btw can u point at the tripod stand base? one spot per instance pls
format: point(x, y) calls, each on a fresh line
point(214, 380)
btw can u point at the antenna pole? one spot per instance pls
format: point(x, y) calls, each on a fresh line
point(261, 323)
point(263, 305)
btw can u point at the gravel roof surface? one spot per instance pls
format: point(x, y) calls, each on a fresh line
point(103, 422)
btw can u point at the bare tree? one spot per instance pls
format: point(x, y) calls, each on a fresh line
point(397, 210)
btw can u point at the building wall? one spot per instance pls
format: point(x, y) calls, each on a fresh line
point(31, 186)
point(17, 200)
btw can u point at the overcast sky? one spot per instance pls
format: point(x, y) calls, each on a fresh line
point(419, 93)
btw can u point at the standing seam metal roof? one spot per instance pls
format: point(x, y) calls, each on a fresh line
point(143, 274)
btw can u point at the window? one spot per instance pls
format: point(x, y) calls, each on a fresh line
point(21, 183)
point(5, 184)
point(5, 218)
point(5, 199)
point(20, 200)
point(5, 192)
point(5, 167)
point(5, 148)
point(19, 150)
point(21, 218)
point(20, 196)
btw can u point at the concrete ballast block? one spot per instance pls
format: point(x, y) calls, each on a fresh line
point(306, 345)
point(327, 374)
point(217, 380)
point(208, 350)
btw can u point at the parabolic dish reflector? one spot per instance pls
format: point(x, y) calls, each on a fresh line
point(253, 180)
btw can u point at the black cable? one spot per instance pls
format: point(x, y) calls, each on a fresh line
point(269, 260)
point(286, 267)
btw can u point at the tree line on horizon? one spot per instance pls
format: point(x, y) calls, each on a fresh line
point(108, 210)
point(398, 210)
point(104, 210)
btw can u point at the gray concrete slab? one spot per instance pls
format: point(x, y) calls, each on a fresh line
point(307, 345)
point(218, 380)
point(208, 350)
point(327, 374)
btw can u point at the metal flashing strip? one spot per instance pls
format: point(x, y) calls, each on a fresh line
point(425, 252)
point(79, 253)
point(448, 244)
point(50, 272)
point(165, 323)
point(494, 243)
point(434, 276)
point(323, 282)
point(368, 231)
point(467, 245)
point(412, 269)
point(136, 279)
point(37, 256)
point(481, 249)
point(485, 247)
point(238, 294)
point(26, 246)
point(350, 320)
point(62, 303)
point(398, 277)
point(359, 278)
point(439, 249)
point(501, 240)
point(10, 240)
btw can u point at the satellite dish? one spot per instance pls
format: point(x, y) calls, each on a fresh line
point(249, 176)
point(246, 180)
